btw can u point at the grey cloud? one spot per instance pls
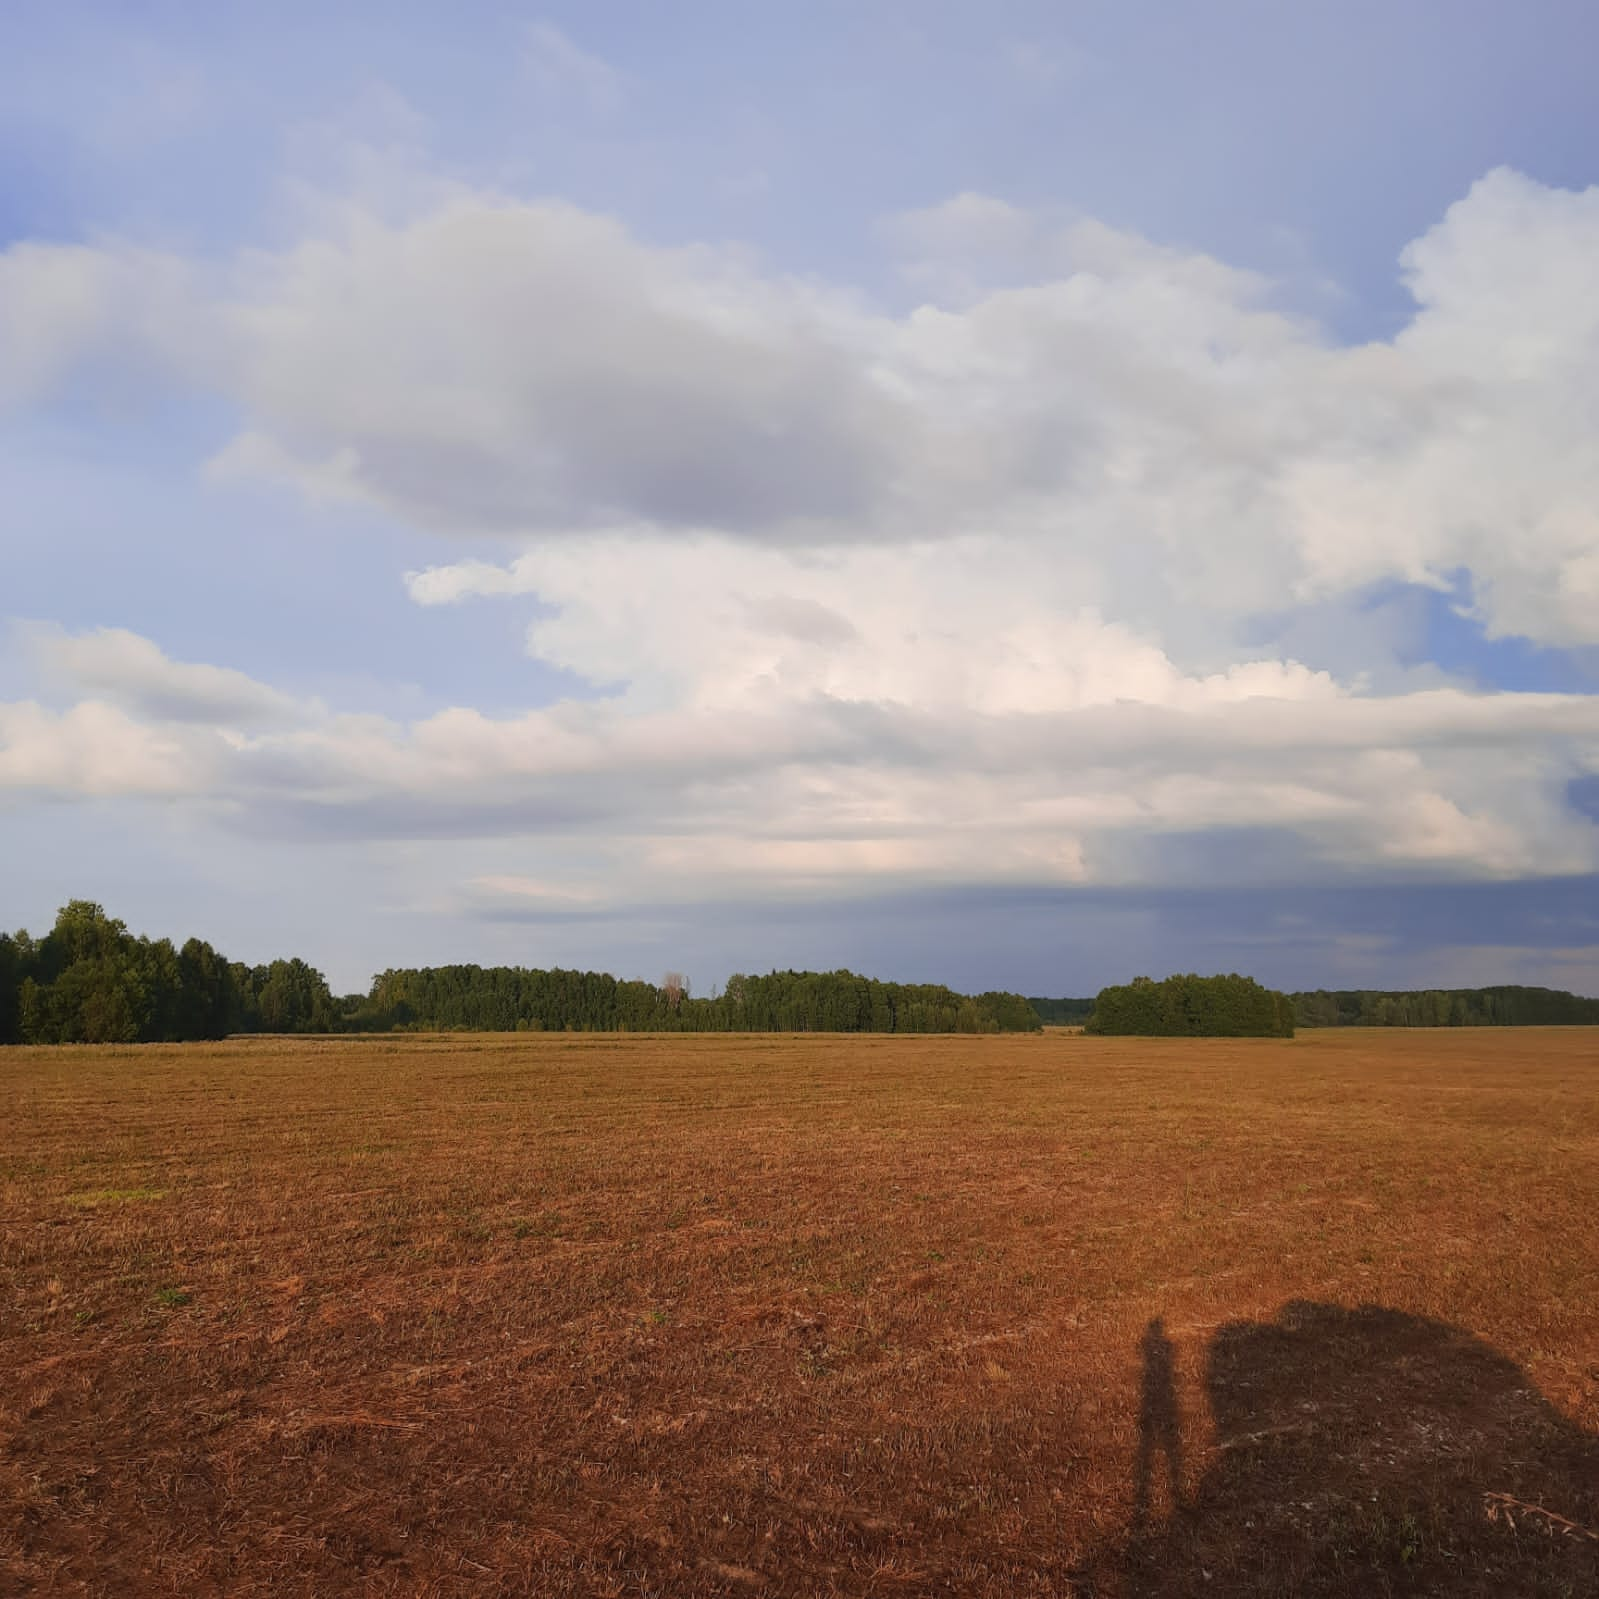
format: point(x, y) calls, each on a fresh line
point(128, 670)
point(511, 368)
point(803, 619)
point(534, 367)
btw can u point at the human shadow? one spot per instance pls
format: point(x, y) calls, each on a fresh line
point(1159, 1429)
point(1362, 1452)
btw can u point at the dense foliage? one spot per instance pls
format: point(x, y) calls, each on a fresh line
point(1062, 1012)
point(1444, 1007)
point(91, 981)
point(1193, 1007)
point(514, 998)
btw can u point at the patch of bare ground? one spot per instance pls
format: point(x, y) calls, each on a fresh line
point(773, 1315)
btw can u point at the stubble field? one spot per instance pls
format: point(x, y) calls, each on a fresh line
point(775, 1315)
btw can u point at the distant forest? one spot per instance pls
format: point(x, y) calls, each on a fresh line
point(515, 999)
point(1444, 1007)
point(1506, 1006)
point(89, 980)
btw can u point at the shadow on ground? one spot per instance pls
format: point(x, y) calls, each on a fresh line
point(1362, 1452)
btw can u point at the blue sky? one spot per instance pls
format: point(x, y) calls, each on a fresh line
point(1014, 494)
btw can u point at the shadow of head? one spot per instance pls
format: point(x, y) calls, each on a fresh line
point(1371, 1452)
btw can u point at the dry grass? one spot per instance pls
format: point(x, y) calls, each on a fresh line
point(629, 1315)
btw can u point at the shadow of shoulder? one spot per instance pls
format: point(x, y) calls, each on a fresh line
point(1368, 1451)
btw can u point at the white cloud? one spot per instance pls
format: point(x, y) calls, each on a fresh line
point(959, 625)
point(113, 664)
point(95, 750)
point(961, 595)
point(1142, 414)
point(963, 246)
point(742, 761)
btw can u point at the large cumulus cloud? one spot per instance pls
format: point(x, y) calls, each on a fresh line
point(970, 590)
point(533, 369)
point(760, 772)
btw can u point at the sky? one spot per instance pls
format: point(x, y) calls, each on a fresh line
point(1009, 494)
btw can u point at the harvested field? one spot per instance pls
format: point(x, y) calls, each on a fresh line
point(875, 1315)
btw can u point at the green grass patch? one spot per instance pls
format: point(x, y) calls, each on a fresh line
point(91, 1197)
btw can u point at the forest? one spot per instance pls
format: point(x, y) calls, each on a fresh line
point(516, 999)
point(89, 980)
point(1507, 1006)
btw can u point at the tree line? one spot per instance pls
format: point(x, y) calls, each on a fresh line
point(1190, 1006)
point(1505, 1006)
point(89, 980)
point(516, 999)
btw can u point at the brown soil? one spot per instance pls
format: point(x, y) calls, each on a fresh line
point(769, 1315)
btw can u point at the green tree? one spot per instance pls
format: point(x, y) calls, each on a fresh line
point(91, 989)
point(1190, 1006)
point(13, 969)
point(292, 997)
point(208, 999)
point(98, 1000)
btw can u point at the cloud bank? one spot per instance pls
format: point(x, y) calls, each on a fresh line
point(995, 587)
